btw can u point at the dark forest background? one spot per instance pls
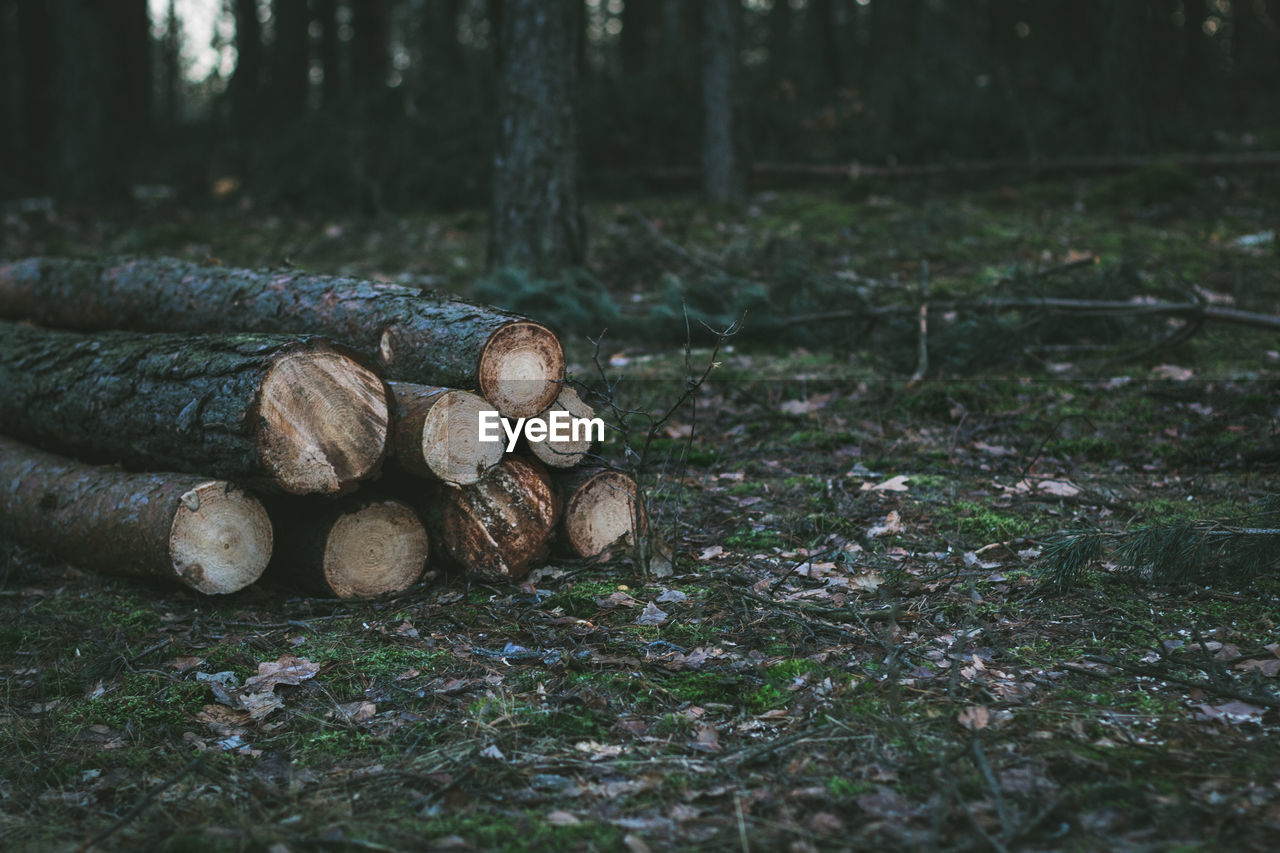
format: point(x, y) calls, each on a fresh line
point(392, 104)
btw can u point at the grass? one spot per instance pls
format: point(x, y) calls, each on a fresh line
point(780, 693)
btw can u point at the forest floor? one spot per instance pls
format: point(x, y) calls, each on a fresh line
point(851, 643)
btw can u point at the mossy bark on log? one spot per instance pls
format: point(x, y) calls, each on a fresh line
point(358, 547)
point(435, 434)
point(564, 454)
point(206, 534)
point(600, 509)
point(411, 335)
point(286, 413)
point(497, 528)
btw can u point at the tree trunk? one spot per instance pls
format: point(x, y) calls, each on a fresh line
point(291, 60)
point(356, 548)
point(498, 527)
point(895, 65)
point(432, 339)
point(435, 434)
point(535, 222)
point(246, 83)
point(291, 414)
point(326, 12)
point(37, 64)
point(206, 534)
point(600, 508)
point(370, 47)
point(171, 61)
point(82, 66)
point(720, 179)
point(637, 26)
point(564, 454)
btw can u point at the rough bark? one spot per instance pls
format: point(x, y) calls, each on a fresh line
point(359, 547)
point(536, 221)
point(720, 179)
point(600, 509)
point(205, 534)
point(412, 336)
point(288, 413)
point(497, 528)
point(435, 434)
point(563, 454)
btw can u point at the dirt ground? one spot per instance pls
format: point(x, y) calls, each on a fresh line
point(846, 638)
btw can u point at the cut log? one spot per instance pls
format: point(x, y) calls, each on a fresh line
point(357, 548)
point(206, 534)
point(413, 336)
point(497, 528)
point(564, 454)
point(290, 414)
point(435, 434)
point(600, 508)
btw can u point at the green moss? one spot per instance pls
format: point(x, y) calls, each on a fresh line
point(755, 539)
point(978, 524)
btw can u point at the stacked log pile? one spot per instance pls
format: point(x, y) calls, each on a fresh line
point(213, 424)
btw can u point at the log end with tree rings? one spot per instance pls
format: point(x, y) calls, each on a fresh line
point(600, 509)
point(376, 549)
point(324, 422)
point(436, 434)
point(565, 454)
point(220, 540)
point(521, 368)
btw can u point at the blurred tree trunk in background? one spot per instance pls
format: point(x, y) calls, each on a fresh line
point(171, 63)
point(8, 81)
point(37, 68)
point(370, 48)
point(290, 60)
point(81, 29)
point(536, 222)
point(638, 19)
point(130, 61)
point(894, 27)
point(780, 24)
point(326, 14)
point(1126, 35)
point(721, 182)
point(246, 83)
point(823, 37)
point(442, 31)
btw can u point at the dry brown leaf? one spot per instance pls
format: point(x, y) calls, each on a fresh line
point(975, 717)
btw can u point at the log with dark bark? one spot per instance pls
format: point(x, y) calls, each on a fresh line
point(291, 414)
point(600, 508)
point(436, 434)
point(498, 527)
point(411, 335)
point(564, 454)
point(359, 547)
point(206, 534)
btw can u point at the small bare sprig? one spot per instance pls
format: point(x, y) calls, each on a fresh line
point(637, 429)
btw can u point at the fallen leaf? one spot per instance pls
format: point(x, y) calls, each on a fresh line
point(710, 553)
point(559, 817)
point(651, 615)
point(893, 484)
point(1231, 712)
point(892, 524)
point(287, 670)
point(975, 717)
point(1269, 668)
point(671, 596)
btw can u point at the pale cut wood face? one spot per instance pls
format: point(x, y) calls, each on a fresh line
point(451, 445)
point(600, 513)
point(324, 422)
point(521, 368)
point(221, 538)
point(565, 454)
point(378, 549)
